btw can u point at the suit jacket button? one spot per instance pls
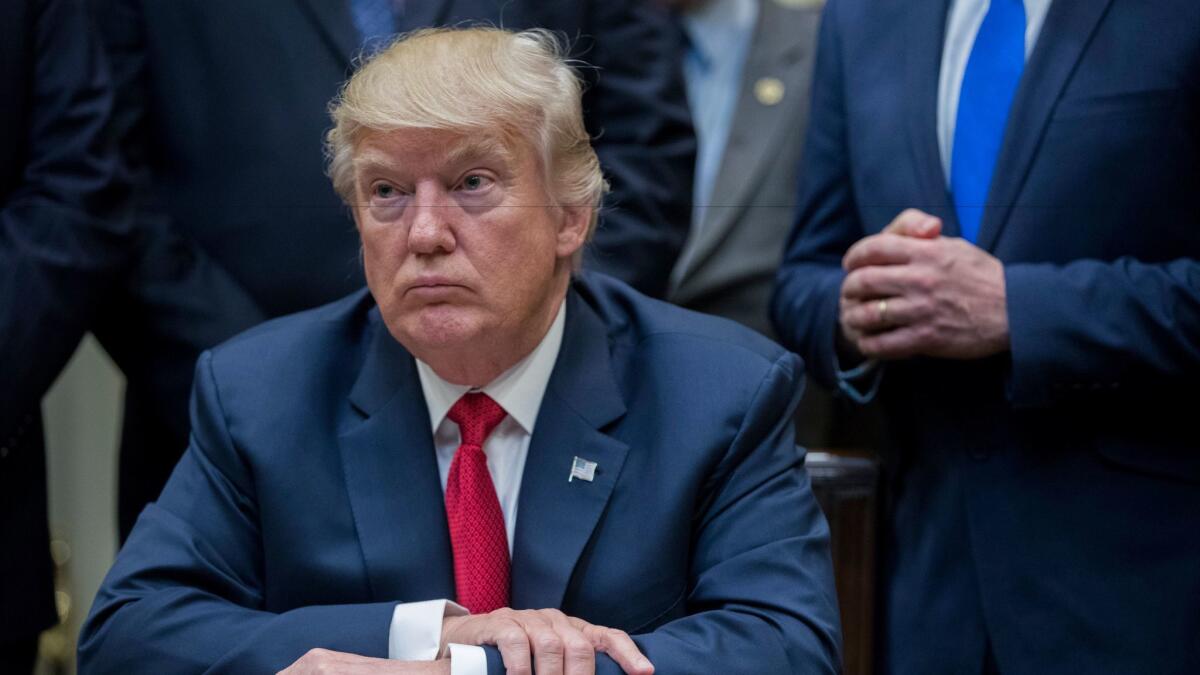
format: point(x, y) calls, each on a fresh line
point(4, 452)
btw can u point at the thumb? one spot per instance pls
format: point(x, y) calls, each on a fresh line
point(915, 223)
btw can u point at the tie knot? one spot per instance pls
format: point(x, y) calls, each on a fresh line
point(476, 415)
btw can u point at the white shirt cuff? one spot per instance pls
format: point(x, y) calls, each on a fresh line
point(467, 660)
point(416, 630)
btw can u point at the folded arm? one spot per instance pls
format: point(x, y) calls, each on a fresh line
point(186, 591)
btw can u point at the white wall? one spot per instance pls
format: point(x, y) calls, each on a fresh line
point(82, 430)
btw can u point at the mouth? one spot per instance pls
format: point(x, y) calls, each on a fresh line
point(432, 288)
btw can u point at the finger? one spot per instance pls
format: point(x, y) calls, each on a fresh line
point(882, 249)
point(547, 645)
point(510, 638)
point(915, 223)
point(874, 283)
point(901, 343)
point(618, 645)
point(875, 316)
point(579, 656)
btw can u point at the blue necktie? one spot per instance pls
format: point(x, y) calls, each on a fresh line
point(375, 21)
point(989, 83)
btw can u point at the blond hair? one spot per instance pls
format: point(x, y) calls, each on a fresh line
point(471, 80)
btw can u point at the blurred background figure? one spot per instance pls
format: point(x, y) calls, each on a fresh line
point(748, 68)
point(222, 108)
point(65, 242)
point(999, 234)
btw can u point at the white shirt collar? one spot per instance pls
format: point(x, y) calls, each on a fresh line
point(519, 390)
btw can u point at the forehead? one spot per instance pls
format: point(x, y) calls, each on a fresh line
point(432, 149)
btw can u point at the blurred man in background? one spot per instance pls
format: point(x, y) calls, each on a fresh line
point(222, 105)
point(748, 68)
point(65, 242)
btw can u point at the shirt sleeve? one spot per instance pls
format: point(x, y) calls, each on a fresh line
point(861, 382)
point(467, 660)
point(416, 630)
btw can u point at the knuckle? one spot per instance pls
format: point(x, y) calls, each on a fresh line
point(512, 636)
point(578, 648)
point(548, 642)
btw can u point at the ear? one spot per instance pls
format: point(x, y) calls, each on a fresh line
point(572, 230)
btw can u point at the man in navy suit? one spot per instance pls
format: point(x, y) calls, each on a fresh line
point(65, 242)
point(1000, 234)
point(570, 461)
point(222, 104)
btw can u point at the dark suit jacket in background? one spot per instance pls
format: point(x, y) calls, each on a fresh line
point(224, 107)
point(1045, 502)
point(65, 241)
point(309, 501)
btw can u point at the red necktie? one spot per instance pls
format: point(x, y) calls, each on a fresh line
point(477, 534)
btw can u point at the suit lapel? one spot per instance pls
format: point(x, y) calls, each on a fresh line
point(332, 20)
point(1068, 30)
point(556, 518)
point(774, 52)
point(923, 65)
point(392, 478)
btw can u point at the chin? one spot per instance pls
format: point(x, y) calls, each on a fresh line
point(435, 328)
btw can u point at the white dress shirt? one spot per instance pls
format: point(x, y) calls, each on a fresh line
point(962, 25)
point(416, 628)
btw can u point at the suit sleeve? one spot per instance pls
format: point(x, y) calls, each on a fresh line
point(1122, 327)
point(65, 232)
point(804, 304)
point(761, 592)
point(186, 591)
point(637, 113)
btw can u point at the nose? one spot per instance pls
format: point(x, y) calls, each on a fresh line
point(431, 230)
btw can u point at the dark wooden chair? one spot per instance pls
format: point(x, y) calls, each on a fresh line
point(846, 486)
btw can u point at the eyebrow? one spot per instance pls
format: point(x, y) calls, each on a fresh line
point(477, 149)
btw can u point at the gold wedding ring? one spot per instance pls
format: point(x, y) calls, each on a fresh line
point(882, 305)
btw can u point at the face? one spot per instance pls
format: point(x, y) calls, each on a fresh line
point(464, 252)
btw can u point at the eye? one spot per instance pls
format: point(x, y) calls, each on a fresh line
point(384, 191)
point(475, 182)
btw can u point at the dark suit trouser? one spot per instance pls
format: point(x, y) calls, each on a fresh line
point(144, 465)
point(18, 657)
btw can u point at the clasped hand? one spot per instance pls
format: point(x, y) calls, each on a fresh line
point(911, 292)
point(554, 643)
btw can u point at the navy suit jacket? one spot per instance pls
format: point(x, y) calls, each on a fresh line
point(309, 502)
point(1044, 503)
point(65, 242)
point(223, 106)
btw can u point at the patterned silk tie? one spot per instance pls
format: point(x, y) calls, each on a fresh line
point(989, 84)
point(477, 534)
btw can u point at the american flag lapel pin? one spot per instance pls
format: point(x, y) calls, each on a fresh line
point(582, 469)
